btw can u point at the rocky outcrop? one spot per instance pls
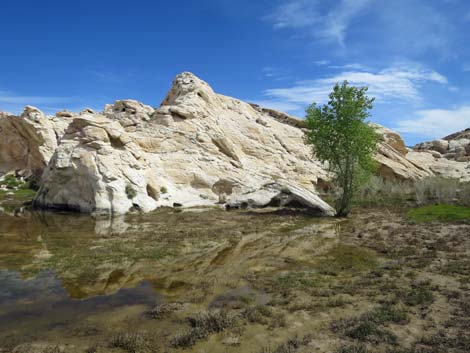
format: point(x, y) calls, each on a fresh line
point(132, 156)
point(393, 158)
point(98, 168)
point(448, 157)
point(280, 116)
point(28, 141)
point(455, 147)
point(280, 195)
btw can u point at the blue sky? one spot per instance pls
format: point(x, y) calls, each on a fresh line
point(413, 54)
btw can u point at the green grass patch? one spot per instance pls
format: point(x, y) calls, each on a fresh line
point(347, 258)
point(18, 193)
point(303, 279)
point(444, 213)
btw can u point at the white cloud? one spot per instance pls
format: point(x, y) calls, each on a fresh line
point(436, 123)
point(15, 103)
point(8, 98)
point(353, 66)
point(275, 73)
point(329, 25)
point(322, 62)
point(397, 83)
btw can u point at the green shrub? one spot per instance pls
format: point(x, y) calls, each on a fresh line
point(130, 192)
point(11, 182)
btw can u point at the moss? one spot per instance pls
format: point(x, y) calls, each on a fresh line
point(130, 192)
point(443, 213)
point(347, 258)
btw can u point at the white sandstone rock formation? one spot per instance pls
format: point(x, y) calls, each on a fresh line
point(134, 156)
point(453, 147)
point(393, 158)
point(448, 157)
point(198, 148)
point(277, 194)
point(98, 167)
point(28, 141)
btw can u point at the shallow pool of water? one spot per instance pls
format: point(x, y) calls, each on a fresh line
point(61, 270)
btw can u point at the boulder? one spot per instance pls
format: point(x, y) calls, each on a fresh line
point(391, 139)
point(28, 141)
point(97, 168)
point(441, 146)
point(453, 147)
point(128, 112)
point(280, 195)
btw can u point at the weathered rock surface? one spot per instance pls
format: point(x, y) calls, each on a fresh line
point(280, 195)
point(198, 148)
point(28, 141)
point(393, 158)
point(174, 155)
point(454, 147)
point(448, 157)
point(441, 166)
point(98, 167)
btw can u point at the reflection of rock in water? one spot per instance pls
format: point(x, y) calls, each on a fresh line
point(25, 301)
point(210, 251)
point(34, 223)
point(111, 225)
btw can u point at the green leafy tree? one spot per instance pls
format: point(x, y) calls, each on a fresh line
point(340, 136)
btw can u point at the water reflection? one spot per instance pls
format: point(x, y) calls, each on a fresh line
point(58, 266)
point(32, 302)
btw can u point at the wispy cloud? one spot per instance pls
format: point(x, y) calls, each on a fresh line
point(411, 25)
point(275, 73)
point(353, 66)
point(397, 83)
point(113, 77)
point(322, 62)
point(436, 123)
point(329, 25)
point(9, 98)
point(416, 26)
point(15, 103)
